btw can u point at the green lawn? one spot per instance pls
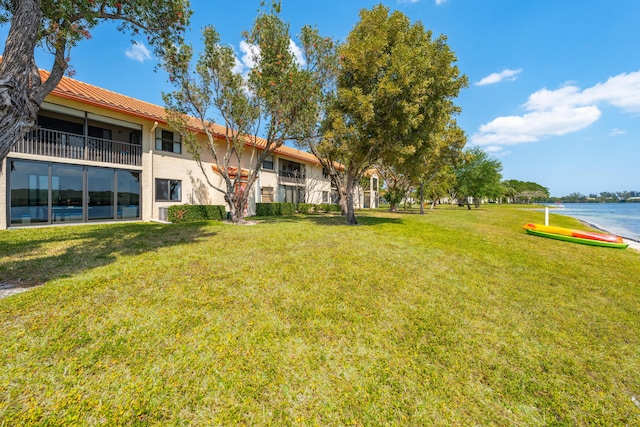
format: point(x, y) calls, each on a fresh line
point(456, 317)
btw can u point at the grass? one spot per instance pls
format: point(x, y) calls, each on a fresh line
point(456, 317)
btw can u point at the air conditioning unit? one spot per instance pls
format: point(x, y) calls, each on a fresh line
point(163, 213)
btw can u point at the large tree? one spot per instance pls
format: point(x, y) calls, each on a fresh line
point(58, 26)
point(524, 190)
point(478, 176)
point(278, 97)
point(393, 83)
point(434, 168)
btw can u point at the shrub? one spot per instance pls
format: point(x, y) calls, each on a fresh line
point(329, 207)
point(285, 209)
point(265, 209)
point(277, 209)
point(190, 213)
point(306, 208)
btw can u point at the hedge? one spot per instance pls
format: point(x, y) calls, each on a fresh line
point(287, 209)
point(275, 209)
point(306, 208)
point(190, 213)
point(328, 207)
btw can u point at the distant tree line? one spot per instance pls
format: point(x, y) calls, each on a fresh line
point(603, 197)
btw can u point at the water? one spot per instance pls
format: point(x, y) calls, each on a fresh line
point(622, 219)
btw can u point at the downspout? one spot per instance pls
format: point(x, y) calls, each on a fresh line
point(151, 151)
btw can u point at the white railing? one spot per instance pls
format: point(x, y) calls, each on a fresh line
point(46, 142)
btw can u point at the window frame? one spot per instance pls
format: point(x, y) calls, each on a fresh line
point(169, 191)
point(268, 160)
point(163, 142)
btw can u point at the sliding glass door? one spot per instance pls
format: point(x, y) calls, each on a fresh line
point(52, 193)
point(100, 193)
point(29, 192)
point(66, 193)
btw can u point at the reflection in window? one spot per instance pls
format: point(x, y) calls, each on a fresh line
point(168, 190)
point(29, 192)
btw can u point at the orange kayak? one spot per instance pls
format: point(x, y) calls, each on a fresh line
point(591, 235)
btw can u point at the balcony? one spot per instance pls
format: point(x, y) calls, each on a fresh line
point(45, 142)
point(292, 177)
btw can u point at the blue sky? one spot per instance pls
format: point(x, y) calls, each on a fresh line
point(554, 89)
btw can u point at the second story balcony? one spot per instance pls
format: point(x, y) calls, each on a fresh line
point(52, 143)
point(292, 173)
point(292, 177)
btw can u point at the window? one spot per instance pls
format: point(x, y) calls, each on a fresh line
point(168, 190)
point(326, 197)
point(266, 194)
point(55, 193)
point(268, 163)
point(293, 194)
point(166, 141)
point(374, 185)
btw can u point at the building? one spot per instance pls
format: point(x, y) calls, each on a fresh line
point(99, 156)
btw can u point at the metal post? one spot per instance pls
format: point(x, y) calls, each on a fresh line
point(546, 215)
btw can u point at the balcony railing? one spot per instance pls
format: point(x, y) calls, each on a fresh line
point(53, 143)
point(292, 177)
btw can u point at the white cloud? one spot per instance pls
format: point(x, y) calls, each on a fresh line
point(138, 52)
point(616, 132)
point(561, 111)
point(438, 2)
point(239, 67)
point(416, 1)
point(498, 77)
point(251, 54)
point(297, 53)
point(532, 126)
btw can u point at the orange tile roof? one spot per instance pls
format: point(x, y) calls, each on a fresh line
point(86, 93)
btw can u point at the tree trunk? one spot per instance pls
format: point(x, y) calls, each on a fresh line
point(468, 203)
point(238, 211)
point(237, 200)
point(342, 201)
point(351, 215)
point(21, 89)
point(421, 198)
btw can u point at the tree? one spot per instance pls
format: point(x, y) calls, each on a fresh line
point(435, 162)
point(478, 176)
point(393, 83)
point(438, 186)
point(397, 184)
point(520, 190)
point(278, 94)
point(59, 26)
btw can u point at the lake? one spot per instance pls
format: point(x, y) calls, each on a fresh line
point(622, 219)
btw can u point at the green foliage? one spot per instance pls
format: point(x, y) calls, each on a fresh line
point(191, 213)
point(278, 98)
point(66, 23)
point(306, 208)
point(265, 209)
point(275, 209)
point(478, 176)
point(329, 208)
point(395, 88)
point(521, 191)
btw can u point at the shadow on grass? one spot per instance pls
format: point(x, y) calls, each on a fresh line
point(331, 220)
point(30, 257)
